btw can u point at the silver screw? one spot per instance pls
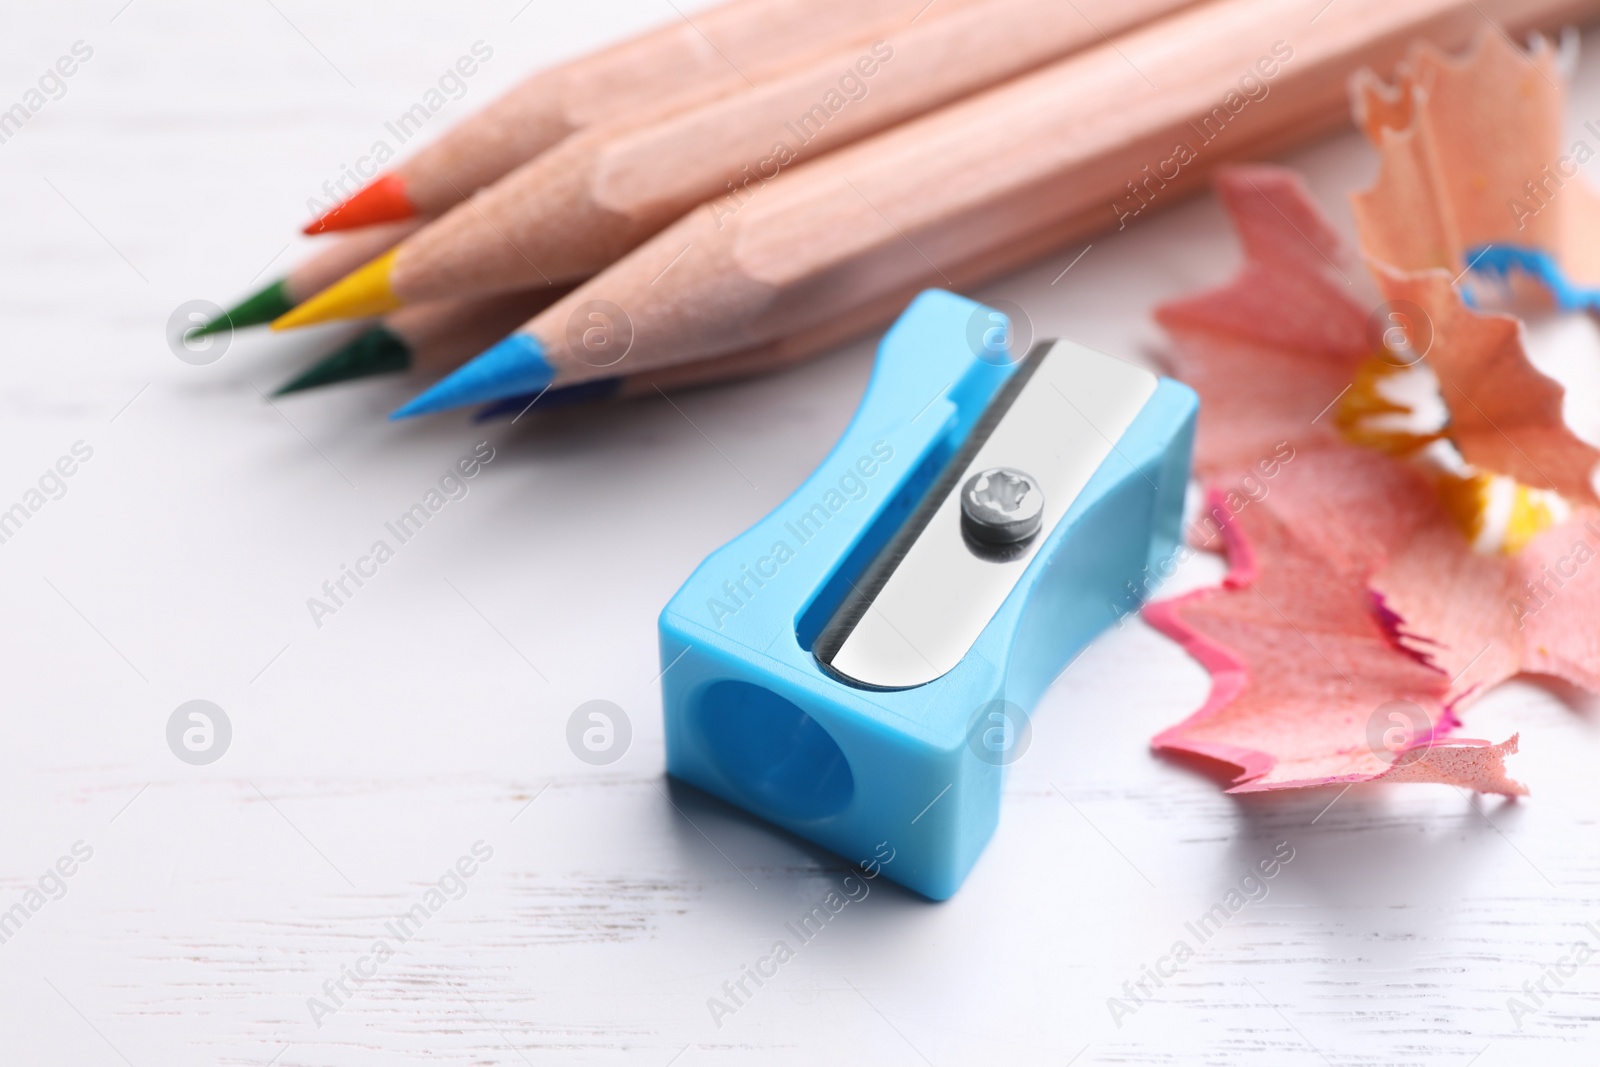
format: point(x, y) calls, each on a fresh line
point(1002, 506)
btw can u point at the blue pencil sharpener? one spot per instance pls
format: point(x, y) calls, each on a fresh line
point(859, 666)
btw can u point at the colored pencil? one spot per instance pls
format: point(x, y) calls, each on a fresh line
point(315, 274)
point(705, 372)
point(573, 210)
point(1096, 141)
point(695, 58)
point(428, 338)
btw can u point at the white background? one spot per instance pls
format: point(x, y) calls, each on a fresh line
point(370, 753)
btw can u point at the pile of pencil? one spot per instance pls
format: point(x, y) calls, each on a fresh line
point(765, 178)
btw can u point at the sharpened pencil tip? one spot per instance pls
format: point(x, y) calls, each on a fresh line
point(378, 351)
point(364, 291)
point(383, 199)
point(567, 396)
point(264, 305)
point(515, 365)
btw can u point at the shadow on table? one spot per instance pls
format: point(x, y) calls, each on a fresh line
point(784, 858)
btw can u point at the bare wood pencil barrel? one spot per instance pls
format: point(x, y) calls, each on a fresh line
point(990, 183)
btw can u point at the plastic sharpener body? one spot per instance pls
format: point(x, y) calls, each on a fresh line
point(857, 666)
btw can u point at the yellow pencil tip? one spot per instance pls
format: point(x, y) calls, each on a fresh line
point(362, 292)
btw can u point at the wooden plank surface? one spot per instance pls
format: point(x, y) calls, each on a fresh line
point(428, 714)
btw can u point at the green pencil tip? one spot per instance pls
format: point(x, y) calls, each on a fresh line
point(263, 306)
point(378, 351)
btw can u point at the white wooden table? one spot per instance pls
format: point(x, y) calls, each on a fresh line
point(370, 754)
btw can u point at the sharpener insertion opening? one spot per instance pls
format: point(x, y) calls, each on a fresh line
point(782, 758)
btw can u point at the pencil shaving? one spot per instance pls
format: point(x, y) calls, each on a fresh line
point(1504, 414)
point(1390, 563)
point(1307, 675)
point(1472, 170)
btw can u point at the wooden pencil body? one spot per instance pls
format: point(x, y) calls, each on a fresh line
point(444, 334)
point(573, 210)
point(333, 260)
point(1095, 142)
point(696, 57)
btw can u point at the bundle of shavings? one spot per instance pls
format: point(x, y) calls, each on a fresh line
point(1408, 517)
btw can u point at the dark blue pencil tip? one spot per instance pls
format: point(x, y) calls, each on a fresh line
point(551, 399)
point(515, 365)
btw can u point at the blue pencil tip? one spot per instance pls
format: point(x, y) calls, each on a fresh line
point(515, 365)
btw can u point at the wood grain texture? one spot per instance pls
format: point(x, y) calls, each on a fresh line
point(431, 709)
point(575, 209)
point(681, 63)
point(338, 256)
point(444, 334)
point(988, 184)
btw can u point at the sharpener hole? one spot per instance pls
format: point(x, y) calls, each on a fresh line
point(782, 758)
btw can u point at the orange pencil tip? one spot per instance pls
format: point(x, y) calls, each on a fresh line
point(383, 199)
